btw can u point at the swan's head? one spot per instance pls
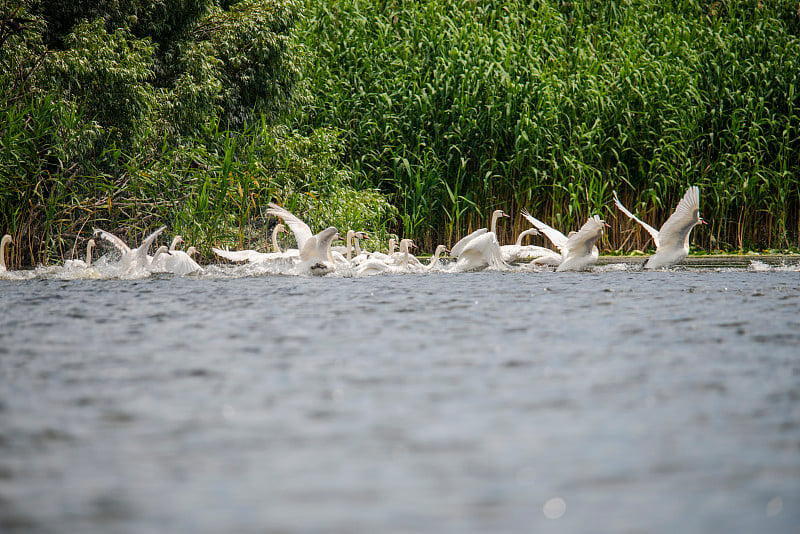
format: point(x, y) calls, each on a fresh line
point(500, 213)
point(700, 220)
point(281, 229)
point(191, 251)
point(7, 240)
point(361, 235)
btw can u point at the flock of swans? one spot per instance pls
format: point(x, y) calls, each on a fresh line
point(316, 255)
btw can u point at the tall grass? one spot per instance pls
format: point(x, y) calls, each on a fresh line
point(455, 107)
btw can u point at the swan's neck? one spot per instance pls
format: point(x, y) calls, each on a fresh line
point(89, 247)
point(275, 244)
point(3, 246)
point(435, 258)
point(495, 216)
point(392, 246)
point(175, 240)
point(522, 235)
point(357, 245)
point(349, 244)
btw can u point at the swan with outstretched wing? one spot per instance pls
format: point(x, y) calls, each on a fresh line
point(672, 240)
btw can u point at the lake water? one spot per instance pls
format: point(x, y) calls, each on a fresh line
point(608, 402)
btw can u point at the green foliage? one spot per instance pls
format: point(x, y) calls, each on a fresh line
point(129, 115)
point(455, 107)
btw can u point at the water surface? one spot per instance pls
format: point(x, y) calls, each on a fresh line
point(605, 402)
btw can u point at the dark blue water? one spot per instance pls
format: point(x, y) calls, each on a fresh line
point(606, 402)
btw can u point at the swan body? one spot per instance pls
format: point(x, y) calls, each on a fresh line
point(578, 250)
point(380, 255)
point(81, 264)
point(315, 256)
point(7, 240)
point(253, 256)
point(137, 258)
point(480, 249)
point(398, 262)
point(177, 262)
point(519, 252)
point(672, 240)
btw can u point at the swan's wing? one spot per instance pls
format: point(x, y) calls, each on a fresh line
point(558, 239)
point(238, 255)
point(487, 246)
point(310, 249)
point(141, 250)
point(302, 233)
point(114, 240)
point(653, 231)
point(459, 247)
point(582, 242)
point(674, 232)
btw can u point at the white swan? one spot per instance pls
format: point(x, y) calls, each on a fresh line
point(176, 262)
point(434, 263)
point(7, 240)
point(398, 262)
point(315, 256)
point(81, 264)
point(480, 249)
point(672, 241)
point(253, 256)
point(519, 252)
point(380, 255)
point(137, 258)
point(578, 250)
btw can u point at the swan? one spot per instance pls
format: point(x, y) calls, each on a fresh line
point(480, 249)
point(397, 263)
point(253, 256)
point(301, 231)
point(137, 258)
point(176, 262)
point(380, 255)
point(360, 255)
point(578, 250)
point(672, 241)
point(3, 246)
point(81, 264)
point(440, 249)
point(519, 252)
point(315, 256)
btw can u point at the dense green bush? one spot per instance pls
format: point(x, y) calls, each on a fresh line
point(455, 107)
point(129, 115)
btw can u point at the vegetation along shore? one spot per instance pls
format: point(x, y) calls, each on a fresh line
point(409, 118)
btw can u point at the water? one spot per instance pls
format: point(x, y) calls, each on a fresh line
point(606, 402)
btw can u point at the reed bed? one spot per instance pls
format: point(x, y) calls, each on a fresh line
point(454, 108)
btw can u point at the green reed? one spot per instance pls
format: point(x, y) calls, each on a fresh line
point(455, 107)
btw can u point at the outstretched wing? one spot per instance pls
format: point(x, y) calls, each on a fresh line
point(302, 232)
point(653, 231)
point(141, 250)
point(558, 239)
point(582, 242)
point(114, 240)
point(458, 248)
point(238, 255)
point(675, 231)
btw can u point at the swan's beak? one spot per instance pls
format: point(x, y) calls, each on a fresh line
point(607, 225)
point(702, 221)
